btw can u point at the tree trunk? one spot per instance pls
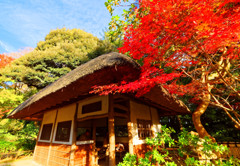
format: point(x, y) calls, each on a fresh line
point(196, 117)
point(180, 123)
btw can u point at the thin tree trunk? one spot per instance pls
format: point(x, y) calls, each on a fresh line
point(196, 117)
point(180, 123)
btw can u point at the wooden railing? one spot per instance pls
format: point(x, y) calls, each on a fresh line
point(234, 149)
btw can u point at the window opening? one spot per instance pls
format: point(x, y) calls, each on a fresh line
point(93, 107)
point(46, 132)
point(144, 128)
point(63, 131)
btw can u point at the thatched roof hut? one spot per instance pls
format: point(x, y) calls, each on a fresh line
point(75, 123)
point(103, 70)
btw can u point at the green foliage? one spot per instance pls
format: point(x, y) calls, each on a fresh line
point(9, 99)
point(118, 24)
point(17, 135)
point(129, 160)
point(6, 146)
point(12, 94)
point(219, 125)
point(214, 121)
point(62, 51)
point(189, 146)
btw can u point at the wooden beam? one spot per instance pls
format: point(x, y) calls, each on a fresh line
point(143, 100)
point(121, 107)
point(32, 119)
point(111, 132)
point(120, 96)
point(120, 115)
point(93, 117)
point(65, 103)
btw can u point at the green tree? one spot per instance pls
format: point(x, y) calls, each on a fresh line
point(118, 24)
point(15, 134)
point(62, 51)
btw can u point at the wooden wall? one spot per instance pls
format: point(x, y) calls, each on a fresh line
point(90, 100)
point(84, 155)
point(59, 154)
point(41, 153)
point(144, 112)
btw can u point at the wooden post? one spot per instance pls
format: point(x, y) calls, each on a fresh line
point(94, 130)
point(130, 137)
point(74, 139)
point(130, 131)
point(111, 132)
point(52, 135)
point(94, 144)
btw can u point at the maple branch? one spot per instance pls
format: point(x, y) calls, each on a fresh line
point(227, 84)
point(234, 112)
point(226, 110)
point(225, 70)
point(221, 105)
point(237, 122)
point(218, 103)
point(188, 74)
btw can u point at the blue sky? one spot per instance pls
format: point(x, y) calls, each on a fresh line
point(24, 23)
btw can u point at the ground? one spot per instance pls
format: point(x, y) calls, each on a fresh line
point(21, 162)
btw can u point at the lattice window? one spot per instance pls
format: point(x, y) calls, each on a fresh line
point(46, 132)
point(63, 131)
point(144, 128)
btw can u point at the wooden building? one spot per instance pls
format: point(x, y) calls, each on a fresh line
point(78, 128)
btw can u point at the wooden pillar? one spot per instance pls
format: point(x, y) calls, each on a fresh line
point(130, 131)
point(51, 138)
point(130, 137)
point(95, 159)
point(111, 132)
point(74, 139)
point(94, 131)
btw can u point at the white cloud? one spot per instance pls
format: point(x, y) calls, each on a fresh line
point(30, 21)
point(5, 47)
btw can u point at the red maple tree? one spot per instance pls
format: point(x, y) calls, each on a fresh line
point(190, 47)
point(4, 60)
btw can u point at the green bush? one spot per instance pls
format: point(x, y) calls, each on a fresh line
point(189, 146)
point(6, 146)
point(26, 144)
point(17, 135)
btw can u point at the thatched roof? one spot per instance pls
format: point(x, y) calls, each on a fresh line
point(105, 69)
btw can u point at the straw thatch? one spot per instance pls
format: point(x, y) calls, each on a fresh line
point(105, 69)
